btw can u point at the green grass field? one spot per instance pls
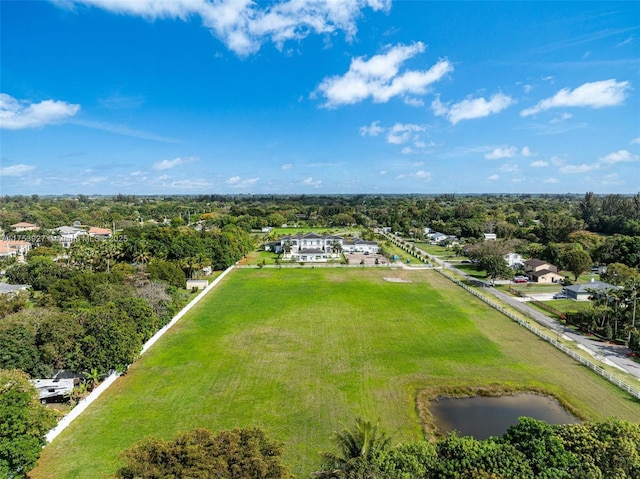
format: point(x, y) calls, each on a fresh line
point(299, 351)
point(436, 250)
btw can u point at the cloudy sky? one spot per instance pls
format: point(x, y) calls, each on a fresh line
point(309, 96)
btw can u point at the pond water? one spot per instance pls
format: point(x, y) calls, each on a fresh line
point(482, 417)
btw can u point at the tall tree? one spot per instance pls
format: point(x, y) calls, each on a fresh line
point(23, 424)
point(577, 261)
point(495, 266)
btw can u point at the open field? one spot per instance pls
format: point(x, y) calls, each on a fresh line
point(298, 351)
point(436, 250)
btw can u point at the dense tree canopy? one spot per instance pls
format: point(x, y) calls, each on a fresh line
point(23, 424)
point(246, 453)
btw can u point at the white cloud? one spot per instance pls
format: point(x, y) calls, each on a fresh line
point(618, 157)
point(94, 180)
point(621, 156)
point(383, 172)
point(539, 164)
point(635, 141)
point(472, 108)
point(190, 184)
point(372, 130)
point(287, 166)
point(380, 79)
point(509, 168)
point(238, 182)
point(551, 180)
point(594, 95)
point(168, 164)
point(570, 169)
point(18, 114)
point(612, 179)
point(309, 181)
point(527, 88)
point(526, 151)
point(504, 152)
point(493, 178)
point(243, 25)
point(16, 170)
point(420, 174)
point(401, 133)
point(406, 150)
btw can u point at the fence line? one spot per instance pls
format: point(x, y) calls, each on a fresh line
point(104, 385)
point(594, 367)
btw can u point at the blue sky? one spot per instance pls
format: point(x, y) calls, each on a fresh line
point(366, 96)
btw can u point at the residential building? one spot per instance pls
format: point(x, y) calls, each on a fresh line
point(490, 237)
point(66, 235)
point(13, 288)
point(313, 247)
point(22, 226)
point(14, 248)
point(96, 232)
point(583, 291)
point(514, 260)
point(542, 271)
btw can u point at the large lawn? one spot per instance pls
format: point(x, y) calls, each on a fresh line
point(298, 351)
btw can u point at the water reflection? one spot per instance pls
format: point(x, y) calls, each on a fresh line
point(482, 417)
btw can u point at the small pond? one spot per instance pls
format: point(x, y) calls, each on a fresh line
point(482, 416)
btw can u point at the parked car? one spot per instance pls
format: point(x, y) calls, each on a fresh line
point(560, 296)
point(520, 279)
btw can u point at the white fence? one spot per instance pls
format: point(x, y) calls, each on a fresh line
point(104, 385)
point(581, 359)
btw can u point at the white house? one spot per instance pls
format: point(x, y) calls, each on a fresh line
point(514, 260)
point(66, 235)
point(14, 248)
point(313, 247)
point(490, 237)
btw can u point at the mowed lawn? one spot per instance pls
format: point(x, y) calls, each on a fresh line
point(300, 351)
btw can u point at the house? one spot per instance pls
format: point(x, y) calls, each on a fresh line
point(541, 271)
point(514, 260)
point(490, 237)
point(583, 291)
point(266, 229)
point(95, 232)
point(358, 245)
point(14, 248)
point(12, 288)
point(313, 247)
point(65, 235)
point(274, 246)
point(197, 283)
point(426, 230)
point(436, 237)
point(53, 389)
point(22, 226)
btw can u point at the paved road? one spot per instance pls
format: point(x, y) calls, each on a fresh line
point(610, 354)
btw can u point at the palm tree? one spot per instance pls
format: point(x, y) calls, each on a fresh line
point(93, 378)
point(359, 447)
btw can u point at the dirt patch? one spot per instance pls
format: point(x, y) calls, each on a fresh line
point(398, 280)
